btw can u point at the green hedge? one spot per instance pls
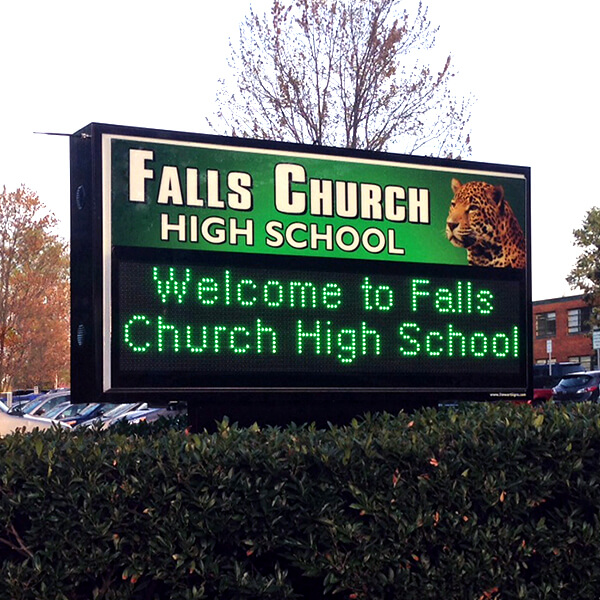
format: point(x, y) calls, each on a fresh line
point(481, 502)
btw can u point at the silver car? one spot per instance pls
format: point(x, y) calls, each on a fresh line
point(9, 423)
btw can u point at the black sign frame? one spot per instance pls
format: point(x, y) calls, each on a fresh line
point(282, 398)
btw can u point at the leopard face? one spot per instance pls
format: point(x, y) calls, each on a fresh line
point(481, 221)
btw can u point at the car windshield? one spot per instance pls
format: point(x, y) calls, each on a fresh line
point(575, 381)
point(90, 408)
point(70, 410)
point(29, 406)
point(52, 402)
point(58, 410)
point(120, 409)
point(106, 407)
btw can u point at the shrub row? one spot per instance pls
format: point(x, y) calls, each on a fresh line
point(481, 502)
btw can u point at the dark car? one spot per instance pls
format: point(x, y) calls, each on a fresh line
point(116, 413)
point(578, 387)
point(546, 377)
point(90, 413)
point(151, 414)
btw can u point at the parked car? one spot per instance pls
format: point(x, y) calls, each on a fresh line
point(39, 406)
point(116, 413)
point(541, 395)
point(151, 414)
point(9, 423)
point(74, 414)
point(547, 377)
point(20, 397)
point(90, 413)
point(66, 408)
point(137, 416)
point(578, 387)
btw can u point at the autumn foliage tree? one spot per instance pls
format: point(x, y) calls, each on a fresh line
point(343, 73)
point(34, 294)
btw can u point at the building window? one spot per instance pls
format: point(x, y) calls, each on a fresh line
point(584, 361)
point(545, 325)
point(578, 320)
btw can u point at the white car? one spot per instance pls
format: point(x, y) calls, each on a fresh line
point(10, 423)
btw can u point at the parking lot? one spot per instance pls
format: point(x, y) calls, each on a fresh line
point(54, 408)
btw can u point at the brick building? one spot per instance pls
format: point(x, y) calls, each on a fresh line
point(564, 322)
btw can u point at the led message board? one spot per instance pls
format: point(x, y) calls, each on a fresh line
point(228, 271)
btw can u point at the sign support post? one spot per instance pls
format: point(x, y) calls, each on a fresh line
point(549, 351)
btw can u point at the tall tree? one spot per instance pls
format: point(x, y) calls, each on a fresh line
point(343, 73)
point(34, 294)
point(585, 275)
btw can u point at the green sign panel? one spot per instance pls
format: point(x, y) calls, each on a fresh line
point(209, 197)
point(258, 270)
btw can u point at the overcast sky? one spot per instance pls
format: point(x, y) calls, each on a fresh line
point(530, 65)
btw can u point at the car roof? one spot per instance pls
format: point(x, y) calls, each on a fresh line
point(576, 373)
point(53, 393)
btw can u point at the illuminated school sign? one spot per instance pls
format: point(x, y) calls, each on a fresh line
point(205, 265)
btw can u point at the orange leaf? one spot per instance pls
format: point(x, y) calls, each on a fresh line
point(487, 595)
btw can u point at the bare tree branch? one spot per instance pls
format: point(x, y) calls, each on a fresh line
point(19, 546)
point(343, 73)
